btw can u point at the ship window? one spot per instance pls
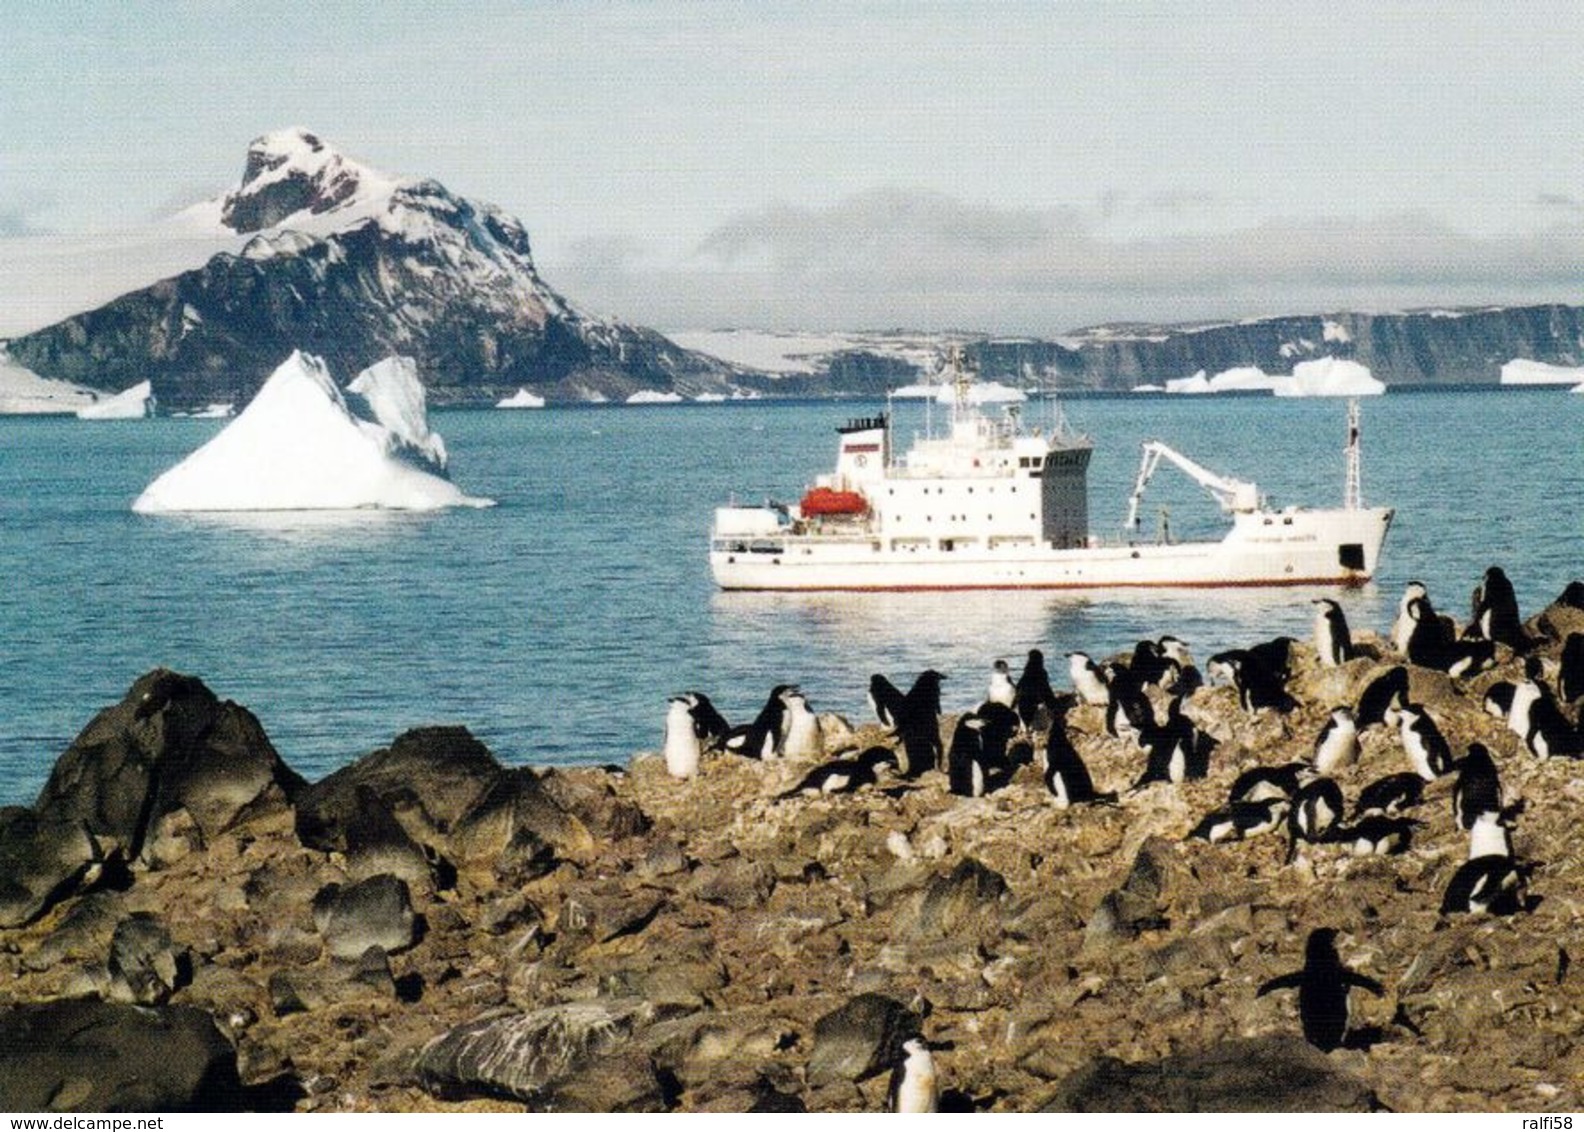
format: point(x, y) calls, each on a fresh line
point(1350, 556)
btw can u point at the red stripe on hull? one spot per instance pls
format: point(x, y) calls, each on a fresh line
point(1349, 582)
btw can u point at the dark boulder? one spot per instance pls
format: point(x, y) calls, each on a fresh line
point(526, 1055)
point(42, 860)
point(1272, 1074)
point(169, 745)
point(428, 778)
point(145, 967)
point(78, 1055)
point(1139, 903)
point(859, 1038)
point(376, 912)
point(517, 826)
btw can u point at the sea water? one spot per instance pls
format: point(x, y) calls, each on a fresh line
point(555, 625)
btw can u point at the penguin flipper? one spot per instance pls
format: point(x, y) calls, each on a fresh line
point(1290, 981)
point(1363, 982)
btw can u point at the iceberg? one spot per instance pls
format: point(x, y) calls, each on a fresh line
point(1330, 377)
point(1522, 371)
point(654, 397)
point(522, 399)
point(129, 404)
point(300, 445)
point(1239, 379)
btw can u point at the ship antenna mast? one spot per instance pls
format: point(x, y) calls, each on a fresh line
point(1353, 491)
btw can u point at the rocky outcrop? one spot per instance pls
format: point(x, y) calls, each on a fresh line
point(85, 1056)
point(167, 769)
point(354, 266)
point(619, 940)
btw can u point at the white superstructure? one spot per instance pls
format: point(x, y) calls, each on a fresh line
point(990, 505)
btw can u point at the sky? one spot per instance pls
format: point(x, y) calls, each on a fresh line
point(1021, 168)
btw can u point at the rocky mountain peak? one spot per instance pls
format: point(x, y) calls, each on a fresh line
point(293, 171)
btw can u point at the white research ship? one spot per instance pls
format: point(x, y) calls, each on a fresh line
point(990, 505)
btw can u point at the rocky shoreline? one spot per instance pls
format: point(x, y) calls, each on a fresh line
point(186, 923)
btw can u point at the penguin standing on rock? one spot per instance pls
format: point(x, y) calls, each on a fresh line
point(1332, 640)
point(915, 1086)
point(1495, 611)
point(1337, 745)
point(1570, 680)
point(1002, 690)
point(801, 734)
point(762, 738)
point(1386, 691)
point(1066, 776)
point(1423, 742)
point(1033, 698)
point(918, 724)
point(682, 747)
point(1086, 679)
point(966, 772)
point(1322, 988)
point(1478, 787)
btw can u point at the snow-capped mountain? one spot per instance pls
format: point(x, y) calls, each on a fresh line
point(354, 265)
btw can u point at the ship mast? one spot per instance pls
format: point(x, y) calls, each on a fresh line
point(1353, 491)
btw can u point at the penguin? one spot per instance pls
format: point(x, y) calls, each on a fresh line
point(1332, 640)
point(1275, 656)
point(761, 739)
point(1033, 698)
point(1403, 624)
point(1258, 686)
point(1526, 693)
point(1181, 677)
point(1337, 745)
point(918, 724)
point(1316, 811)
point(1086, 679)
point(915, 1085)
point(1430, 646)
point(1242, 820)
point(1495, 611)
point(1478, 787)
point(1000, 724)
point(1389, 796)
point(965, 768)
point(1498, 699)
point(1322, 988)
point(682, 746)
point(1128, 711)
point(885, 699)
point(1261, 783)
point(1001, 690)
point(1170, 749)
point(1492, 883)
point(801, 734)
point(1550, 735)
point(709, 724)
point(843, 775)
point(1489, 836)
point(1066, 776)
point(1388, 690)
point(1570, 680)
point(1423, 742)
point(1149, 662)
point(1376, 835)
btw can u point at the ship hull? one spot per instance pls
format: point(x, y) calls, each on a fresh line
point(1263, 548)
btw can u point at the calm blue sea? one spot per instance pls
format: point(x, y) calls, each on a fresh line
point(556, 624)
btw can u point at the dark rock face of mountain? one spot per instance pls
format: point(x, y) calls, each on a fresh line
point(356, 267)
point(1413, 347)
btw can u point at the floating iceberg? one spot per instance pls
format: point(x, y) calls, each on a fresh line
point(522, 399)
point(1522, 371)
point(1241, 379)
point(301, 445)
point(654, 397)
point(129, 404)
point(1330, 377)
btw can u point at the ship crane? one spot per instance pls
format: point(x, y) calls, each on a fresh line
point(1232, 495)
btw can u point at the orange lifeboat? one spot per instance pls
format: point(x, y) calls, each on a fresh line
point(827, 501)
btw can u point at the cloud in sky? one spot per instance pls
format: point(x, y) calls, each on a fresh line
point(920, 258)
